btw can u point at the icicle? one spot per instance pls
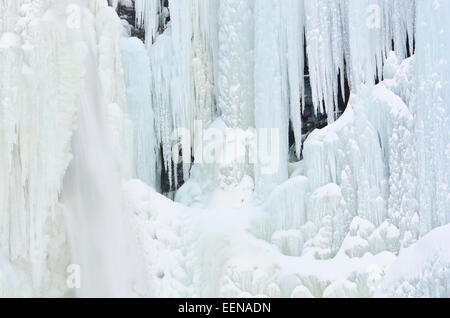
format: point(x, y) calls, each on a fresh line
point(187, 71)
point(293, 11)
point(181, 32)
point(353, 37)
point(147, 15)
point(401, 25)
point(161, 55)
point(325, 49)
point(138, 81)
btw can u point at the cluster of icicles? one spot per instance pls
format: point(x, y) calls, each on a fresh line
point(344, 39)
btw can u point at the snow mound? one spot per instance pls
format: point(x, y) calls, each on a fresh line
point(422, 270)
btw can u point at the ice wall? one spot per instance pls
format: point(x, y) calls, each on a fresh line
point(369, 185)
point(355, 202)
point(344, 39)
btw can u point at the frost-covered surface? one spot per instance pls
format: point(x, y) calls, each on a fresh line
point(362, 214)
point(422, 270)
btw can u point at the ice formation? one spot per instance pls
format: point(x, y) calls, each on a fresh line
point(93, 123)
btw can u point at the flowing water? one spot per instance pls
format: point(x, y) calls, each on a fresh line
point(97, 232)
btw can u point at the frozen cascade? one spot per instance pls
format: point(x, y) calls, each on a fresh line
point(138, 82)
point(160, 55)
point(362, 214)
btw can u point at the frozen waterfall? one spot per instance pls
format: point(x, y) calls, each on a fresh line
point(224, 148)
point(96, 226)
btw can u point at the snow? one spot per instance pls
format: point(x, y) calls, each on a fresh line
point(227, 261)
point(9, 40)
point(422, 270)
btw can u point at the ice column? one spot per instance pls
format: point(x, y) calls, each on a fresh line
point(138, 82)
